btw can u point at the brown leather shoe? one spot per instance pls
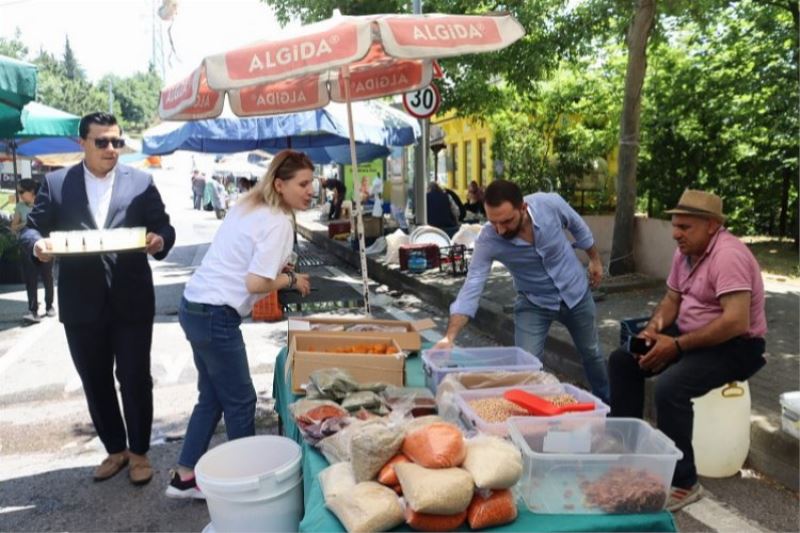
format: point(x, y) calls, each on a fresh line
point(140, 472)
point(110, 466)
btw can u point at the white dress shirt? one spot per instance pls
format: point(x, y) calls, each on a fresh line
point(98, 190)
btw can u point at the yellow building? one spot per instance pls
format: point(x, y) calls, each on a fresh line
point(466, 154)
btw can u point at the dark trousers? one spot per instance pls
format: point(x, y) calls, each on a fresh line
point(690, 376)
point(31, 272)
point(95, 349)
point(336, 209)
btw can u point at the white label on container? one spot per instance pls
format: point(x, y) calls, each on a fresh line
point(578, 441)
point(299, 325)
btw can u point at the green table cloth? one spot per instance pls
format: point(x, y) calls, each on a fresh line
point(317, 517)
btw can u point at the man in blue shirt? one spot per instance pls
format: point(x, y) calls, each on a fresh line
point(527, 236)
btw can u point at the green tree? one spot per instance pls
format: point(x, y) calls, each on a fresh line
point(13, 47)
point(72, 70)
point(134, 95)
point(721, 114)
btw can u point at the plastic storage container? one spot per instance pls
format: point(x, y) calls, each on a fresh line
point(253, 484)
point(593, 465)
point(472, 420)
point(437, 363)
point(721, 430)
point(790, 413)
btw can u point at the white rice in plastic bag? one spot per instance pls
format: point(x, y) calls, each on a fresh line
point(335, 480)
point(493, 462)
point(371, 446)
point(442, 491)
point(367, 507)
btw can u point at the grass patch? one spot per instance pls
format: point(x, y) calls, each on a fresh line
point(778, 257)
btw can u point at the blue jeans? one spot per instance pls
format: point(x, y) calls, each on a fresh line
point(532, 323)
point(223, 377)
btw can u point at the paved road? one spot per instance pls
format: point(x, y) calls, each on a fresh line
point(48, 448)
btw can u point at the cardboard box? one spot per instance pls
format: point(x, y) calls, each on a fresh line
point(407, 340)
point(365, 368)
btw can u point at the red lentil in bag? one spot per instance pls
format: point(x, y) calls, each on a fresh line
point(496, 509)
point(438, 445)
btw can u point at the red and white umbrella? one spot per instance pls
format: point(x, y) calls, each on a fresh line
point(343, 59)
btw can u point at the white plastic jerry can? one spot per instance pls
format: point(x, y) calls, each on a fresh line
point(721, 432)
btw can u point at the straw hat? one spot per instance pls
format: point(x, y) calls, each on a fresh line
point(699, 204)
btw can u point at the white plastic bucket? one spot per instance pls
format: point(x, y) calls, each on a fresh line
point(253, 484)
point(721, 433)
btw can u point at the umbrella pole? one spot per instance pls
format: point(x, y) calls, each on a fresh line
point(362, 250)
point(13, 146)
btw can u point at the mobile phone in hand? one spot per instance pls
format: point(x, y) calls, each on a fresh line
point(638, 346)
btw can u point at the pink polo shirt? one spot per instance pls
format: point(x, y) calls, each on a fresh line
point(726, 266)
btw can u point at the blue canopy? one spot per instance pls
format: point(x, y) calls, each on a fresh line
point(321, 133)
point(43, 145)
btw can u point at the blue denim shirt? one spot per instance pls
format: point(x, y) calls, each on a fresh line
point(546, 272)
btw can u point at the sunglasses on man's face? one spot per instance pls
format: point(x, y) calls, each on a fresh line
point(103, 143)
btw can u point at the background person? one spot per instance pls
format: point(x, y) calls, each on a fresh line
point(107, 301)
point(339, 191)
point(527, 236)
point(198, 189)
point(32, 270)
point(707, 331)
point(247, 260)
point(442, 210)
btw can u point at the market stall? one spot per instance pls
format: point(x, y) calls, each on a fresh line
point(317, 517)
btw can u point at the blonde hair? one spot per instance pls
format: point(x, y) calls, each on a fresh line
point(284, 166)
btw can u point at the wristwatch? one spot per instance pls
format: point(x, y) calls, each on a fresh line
point(292, 279)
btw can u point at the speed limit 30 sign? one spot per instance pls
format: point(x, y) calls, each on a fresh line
point(424, 102)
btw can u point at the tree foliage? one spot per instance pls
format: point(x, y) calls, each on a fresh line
point(62, 84)
point(719, 103)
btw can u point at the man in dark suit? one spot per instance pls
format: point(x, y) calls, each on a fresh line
point(107, 301)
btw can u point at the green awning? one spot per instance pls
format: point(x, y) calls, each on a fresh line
point(17, 88)
point(39, 120)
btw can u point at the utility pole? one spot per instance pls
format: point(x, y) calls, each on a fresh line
point(421, 161)
point(110, 97)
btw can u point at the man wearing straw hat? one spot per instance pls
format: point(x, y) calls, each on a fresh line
point(707, 331)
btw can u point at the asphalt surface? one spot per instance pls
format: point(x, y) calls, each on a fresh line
point(48, 448)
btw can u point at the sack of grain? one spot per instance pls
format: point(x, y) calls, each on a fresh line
point(438, 445)
point(368, 507)
point(335, 480)
point(387, 475)
point(493, 462)
point(491, 509)
point(371, 446)
point(434, 522)
point(442, 491)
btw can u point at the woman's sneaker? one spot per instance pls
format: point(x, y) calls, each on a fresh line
point(179, 488)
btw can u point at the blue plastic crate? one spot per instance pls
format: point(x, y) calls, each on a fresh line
point(631, 327)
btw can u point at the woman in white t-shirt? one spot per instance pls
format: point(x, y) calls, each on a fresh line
point(247, 259)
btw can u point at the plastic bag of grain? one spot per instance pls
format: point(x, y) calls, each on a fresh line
point(491, 508)
point(434, 522)
point(336, 448)
point(371, 447)
point(441, 491)
point(437, 445)
point(422, 421)
point(367, 507)
point(493, 462)
point(335, 480)
point(387, 475)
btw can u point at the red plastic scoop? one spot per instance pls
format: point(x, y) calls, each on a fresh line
point(536, 405)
